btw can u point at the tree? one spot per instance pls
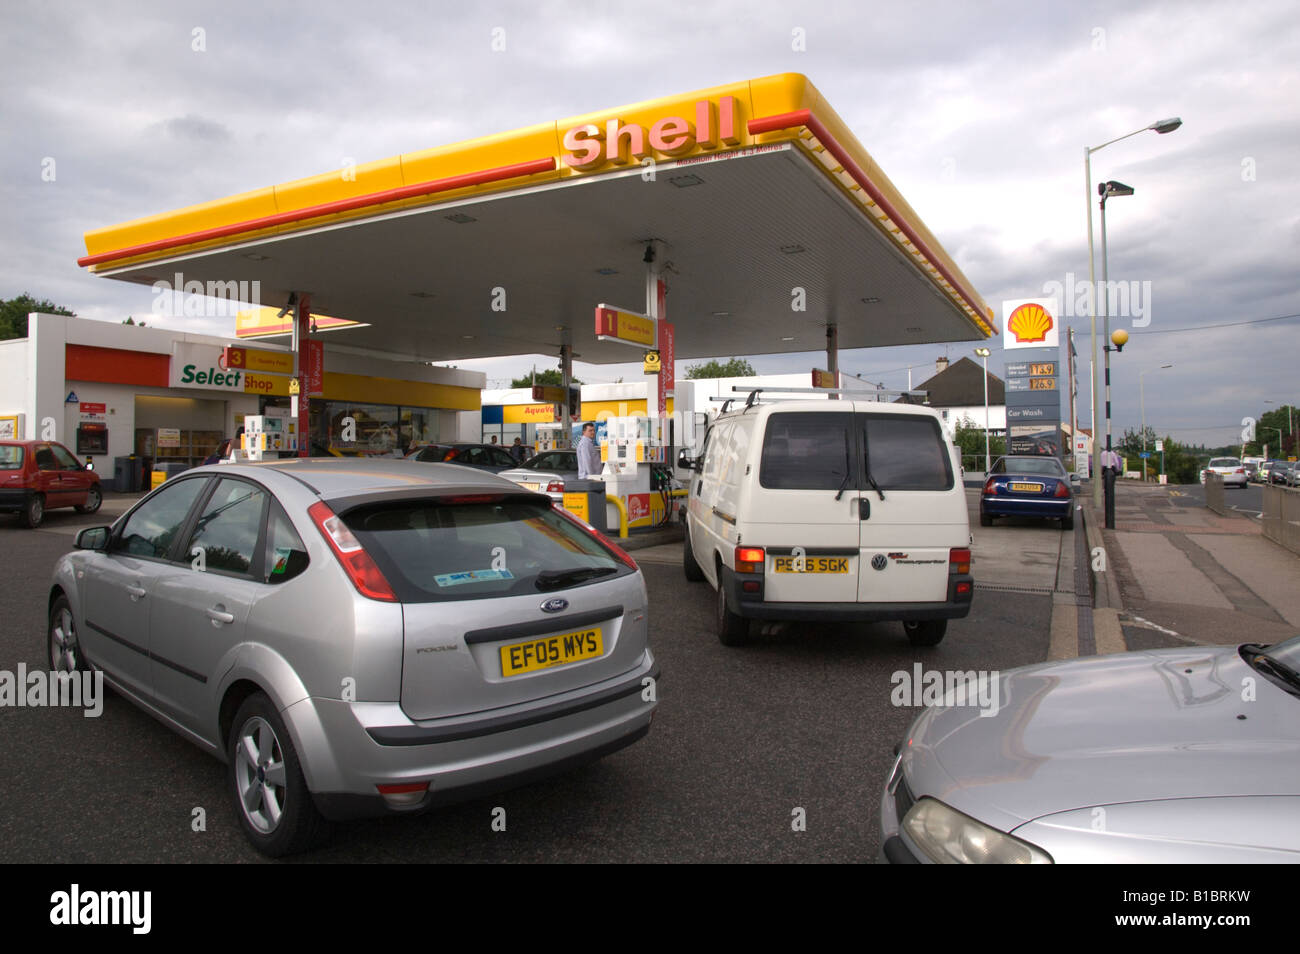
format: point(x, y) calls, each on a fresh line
point(550, 376)
point(14, 312)
point(1130, 446)
point(735, 368)
point(131, 321)
point(1267, 428)
point(969, 438)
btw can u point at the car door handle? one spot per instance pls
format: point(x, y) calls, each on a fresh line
point(219, 616)
point(137, 592)
point(864, 508)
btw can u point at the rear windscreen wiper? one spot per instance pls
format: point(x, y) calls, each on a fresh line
point(552, 579)
point(872, 481)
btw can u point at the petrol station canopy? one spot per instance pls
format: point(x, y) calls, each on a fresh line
point(761, 198)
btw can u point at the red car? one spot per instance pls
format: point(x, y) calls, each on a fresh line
point(36, 476)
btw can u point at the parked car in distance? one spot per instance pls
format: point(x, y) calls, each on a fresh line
point(357, 637)
point(1272, 471)
point(1139, 757)
point(1291, 475)
point(845, 511)
point(1028, 486)
point(546, 472)
point(1230, 469)
point(486, 457)
point(36, 476)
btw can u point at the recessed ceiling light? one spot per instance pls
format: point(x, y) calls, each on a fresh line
point(607, 271)
point(460, 218)
point(255, 257)
point(793, 249)
point(914, 330)
point(721, 314)
point(467, 337)
point(790, 338)
point(685, 182)
point(871, 301)
point(422, 294)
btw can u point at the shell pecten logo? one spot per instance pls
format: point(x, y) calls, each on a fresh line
point(1030, 323)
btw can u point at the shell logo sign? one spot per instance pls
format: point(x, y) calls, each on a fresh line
point(589, 146)
point(1030, 323)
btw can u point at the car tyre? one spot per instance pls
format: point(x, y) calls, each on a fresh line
point(64, 647)
point(733, 630)
point(1067, 523)
point(692, 569)
point(94, 497)
point(274, 806)
point(926, 632)
point(33, 512)
point(986, 520)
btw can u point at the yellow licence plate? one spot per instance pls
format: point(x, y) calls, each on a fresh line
point(528, 485)
point(550, 651)
point(1031, 488)
point(785, 564)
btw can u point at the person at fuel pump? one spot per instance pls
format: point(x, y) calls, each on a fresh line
point(518, 451)
point(589, 464)
point(1110, 461)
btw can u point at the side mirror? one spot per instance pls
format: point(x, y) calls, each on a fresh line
point(1075, 479)
point(684, 460)
point(93, 538)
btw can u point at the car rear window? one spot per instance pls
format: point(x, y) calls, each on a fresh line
point(11, 457)
point(1040, 466)
point(434, 551)
point(1225, 462)
point(906, 452)
point(806, 451)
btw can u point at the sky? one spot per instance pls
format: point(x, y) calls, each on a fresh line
point(979, 112)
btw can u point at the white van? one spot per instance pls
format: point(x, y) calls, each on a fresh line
point(830, 510)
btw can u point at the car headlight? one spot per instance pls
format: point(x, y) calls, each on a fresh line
point(949, 837)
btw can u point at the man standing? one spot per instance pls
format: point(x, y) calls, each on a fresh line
point(1109, 458)
point(519, 452)
point(589, 464)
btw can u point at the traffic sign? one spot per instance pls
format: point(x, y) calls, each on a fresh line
point(1144, 455)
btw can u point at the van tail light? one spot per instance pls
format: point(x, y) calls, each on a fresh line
point(990, 487)
point(356, 562)
point(749, 559)
point(1062, 489)
point(555, 487)
point(959, 560)
point(605, 541)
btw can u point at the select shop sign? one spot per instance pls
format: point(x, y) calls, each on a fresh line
point(200, 367)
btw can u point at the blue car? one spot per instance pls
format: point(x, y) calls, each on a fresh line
point(1030, 486)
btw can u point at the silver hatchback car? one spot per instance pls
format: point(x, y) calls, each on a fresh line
point(359, 637)
point(1178, 756)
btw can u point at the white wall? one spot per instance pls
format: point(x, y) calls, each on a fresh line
point(13, 376)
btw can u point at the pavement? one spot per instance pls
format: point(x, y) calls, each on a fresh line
point(1173, 572)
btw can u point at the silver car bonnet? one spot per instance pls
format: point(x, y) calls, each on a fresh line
point(1129, 727)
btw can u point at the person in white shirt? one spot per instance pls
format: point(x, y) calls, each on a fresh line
point(589, 464)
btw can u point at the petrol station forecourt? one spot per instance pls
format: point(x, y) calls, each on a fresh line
point(744, 218)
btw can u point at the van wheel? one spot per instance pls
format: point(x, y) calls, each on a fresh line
point(733, 630)
point(986, 520)
point(928, 632)
point(1067, 523)
point(692, 569)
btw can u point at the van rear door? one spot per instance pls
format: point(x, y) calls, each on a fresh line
point(912, 515)
point(803, 507)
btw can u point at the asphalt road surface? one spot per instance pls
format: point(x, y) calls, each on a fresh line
point(742, 739)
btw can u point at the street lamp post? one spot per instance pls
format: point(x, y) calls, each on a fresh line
point(1161, 126)
point(1142, 395)
point(1106, 190)
point(984, 354)
point(1290, 428)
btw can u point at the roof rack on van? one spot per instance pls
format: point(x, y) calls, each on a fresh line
point(872, 393)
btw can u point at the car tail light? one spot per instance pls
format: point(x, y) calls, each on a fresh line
point(1240, 470)
point(1062, 489)
point(555, 487)
point(990, 486)
point(456, 499)
point(959, 560)
point(448, 456)
point(361, 569)
point(963, 588)
point(405, 795)
point(749, 559)
point(592, 531)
